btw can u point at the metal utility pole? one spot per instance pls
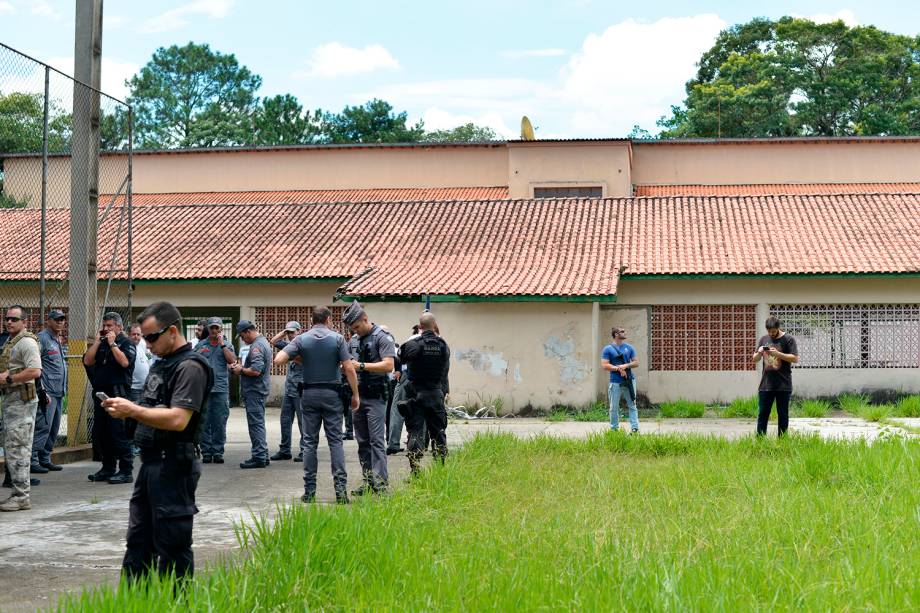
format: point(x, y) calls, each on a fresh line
point(84, 203)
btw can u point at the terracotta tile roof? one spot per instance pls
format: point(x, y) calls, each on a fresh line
point(311, 196)
point(758, 189)
point(512, 247)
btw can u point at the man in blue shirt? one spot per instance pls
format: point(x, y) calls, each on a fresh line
point(619, 358)
point(54, 384)
point(219, 353)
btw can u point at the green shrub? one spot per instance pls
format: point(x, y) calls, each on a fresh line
point(742, 407)
point(683, 408)
point(852, 403)
point(811, 408)
point(908, 406)
point(876, 412)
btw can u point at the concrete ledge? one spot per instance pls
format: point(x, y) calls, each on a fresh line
point(66, 455)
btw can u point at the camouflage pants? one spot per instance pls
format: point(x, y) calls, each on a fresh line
point(18, 427)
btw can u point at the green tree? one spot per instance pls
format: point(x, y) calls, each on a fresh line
point(21, 118)
point(281, 120)
point(467, 133)
point(373, 122)
point(192, 96)
point(796, 77)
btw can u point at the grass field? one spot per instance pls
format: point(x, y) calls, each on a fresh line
point(650, 523)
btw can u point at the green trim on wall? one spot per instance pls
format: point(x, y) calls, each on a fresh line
point(478, 298)
point(787, 275)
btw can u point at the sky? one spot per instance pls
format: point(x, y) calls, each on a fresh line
point(577, 68)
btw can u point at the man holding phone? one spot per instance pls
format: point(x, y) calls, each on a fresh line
point(778, 352)
point(109, 363)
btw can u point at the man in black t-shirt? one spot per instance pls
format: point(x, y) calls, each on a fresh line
point(171, 407)
point(778, 352)
point(109, 362)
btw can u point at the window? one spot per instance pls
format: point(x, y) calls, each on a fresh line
point(271, 320)
point(703, 337)
point(853, 335)
point(569, 192)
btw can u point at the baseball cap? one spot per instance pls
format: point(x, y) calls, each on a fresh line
point(215, 321)
point(243, 325)
point(56, 314)
point(292, 326)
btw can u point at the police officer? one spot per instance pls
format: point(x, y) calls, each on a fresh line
point(172, 407)
point(110, 362)
point(290, 403)
point(322, 352)
point(372, 352)
point(54, 386)
point(255, 376)
point(20, 366)
point(427, 358)
point(219, 354)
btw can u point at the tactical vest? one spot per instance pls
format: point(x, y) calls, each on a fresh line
point(320, 358)
point(158, 391)
point(26, 390)
point(371, 383)
point(427, 369)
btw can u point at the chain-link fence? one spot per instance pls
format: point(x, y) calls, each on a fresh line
point(65, 209)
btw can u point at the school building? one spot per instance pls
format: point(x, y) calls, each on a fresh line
point(530, 251)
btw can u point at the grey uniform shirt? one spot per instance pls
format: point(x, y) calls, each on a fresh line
point(309, 346)
point(378, 345)
point(259, 358)
point(214, 354)
point(54, 364)
point(294, 375)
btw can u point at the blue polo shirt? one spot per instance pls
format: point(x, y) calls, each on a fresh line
point(617, 355)
point(54, 364)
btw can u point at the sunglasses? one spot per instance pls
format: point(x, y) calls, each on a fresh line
point(13, 318)
point(154, 336)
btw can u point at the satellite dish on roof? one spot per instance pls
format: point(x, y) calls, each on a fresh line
point(527, 129)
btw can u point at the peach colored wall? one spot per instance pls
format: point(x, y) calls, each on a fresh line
point(275, 170)
point(537, 164)
point(709, 164)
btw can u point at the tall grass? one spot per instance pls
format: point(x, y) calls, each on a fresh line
point(683, 408)
point(811, 408)
point(741, 407)
point(652, 523)
point(852, 403)
point(909, 406)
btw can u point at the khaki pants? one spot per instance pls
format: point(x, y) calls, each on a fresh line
point(18, 427)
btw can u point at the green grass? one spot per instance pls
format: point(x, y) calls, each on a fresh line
point(852, 403)
point(909, 406)
point(596, 411)
point(683, 408)
point(811, 408)
point(650, 523)
point(741, 407)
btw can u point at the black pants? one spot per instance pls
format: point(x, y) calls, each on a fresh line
point(426, 412)
point(110, 439)
point(782, 411)
point(160, 520)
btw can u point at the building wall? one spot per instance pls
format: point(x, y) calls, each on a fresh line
point(536, 164)
point(23, 179)
point(713, 386)
point(737, 163)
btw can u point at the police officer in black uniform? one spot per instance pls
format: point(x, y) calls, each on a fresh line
point(171, 409)
point(428, 360)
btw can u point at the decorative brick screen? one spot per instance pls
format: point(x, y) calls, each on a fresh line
point(568, 192)
point(853, 335)
point(703, 337)
point(271, 320)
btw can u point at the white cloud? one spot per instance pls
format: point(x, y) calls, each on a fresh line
point(113, 22)
point(438, 119)
point(521, 54)
point(336, 60)
point(41, 8)
point(631, 73)
point(6, 8)
point(847, 16)
point(178, 18)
